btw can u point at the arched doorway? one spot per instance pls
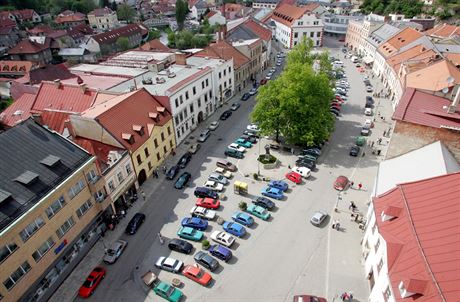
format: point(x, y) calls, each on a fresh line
point(200, 117)
point(142, 177)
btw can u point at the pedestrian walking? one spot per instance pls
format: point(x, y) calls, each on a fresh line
point(352, 205)
point(160, 238)
point(143, 194)
point(360, 185)
point(289, 166)
point(164, 169)
point(372, 144)
point(384, 132)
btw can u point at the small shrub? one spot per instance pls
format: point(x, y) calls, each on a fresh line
point(205, 244)
point(256, 176)
point(264, 159)
point(242, 205)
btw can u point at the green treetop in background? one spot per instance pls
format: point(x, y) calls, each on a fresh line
point(126, 12)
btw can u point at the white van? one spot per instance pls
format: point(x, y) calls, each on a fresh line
point(354, 59)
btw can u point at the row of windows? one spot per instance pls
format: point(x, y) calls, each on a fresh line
point(180, 100)
point(225, 72)
point(139, 161)
point(146, 151)
point(312, 34)
point(120, 177)
point(20, 272)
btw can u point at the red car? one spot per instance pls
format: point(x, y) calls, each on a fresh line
point(294, 177)
point(91, 282)
point(341, 183)
point(208, 203)
point(338, 98)
point(336, 102)
point(308, 298)
point(193, 272)
point(263, 81)
point(335, 106)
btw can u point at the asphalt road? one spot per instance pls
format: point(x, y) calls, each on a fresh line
point(277, 258)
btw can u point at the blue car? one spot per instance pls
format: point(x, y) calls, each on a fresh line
point(243, 218)
point(279, 184)
point(182, 180)
point(195, 222)
point(272, 192)
point(234, 228)
point(220, 252)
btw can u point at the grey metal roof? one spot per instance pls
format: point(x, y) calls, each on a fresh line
point(33, 161)
point(382, 34)
point(241, 33)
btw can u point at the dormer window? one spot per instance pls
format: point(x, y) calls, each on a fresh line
point(412, 287)
point(128, 137)
point(139, 129)
point(390, 212)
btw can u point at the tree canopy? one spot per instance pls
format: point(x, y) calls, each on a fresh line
point(181, 13)
point(296, 104)
point(409, 8)
point(123, 43)
point(126, 12)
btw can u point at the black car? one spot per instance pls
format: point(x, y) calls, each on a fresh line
point(135, 223)
point(369, 104)
point(334, 111)
point(248, 138)
point(310, 164)
point(206, 261)
point(203, 192)
point(354, 151)
point(225, 115)
point(312, 152)
point(172, 172)
point(251, 134)
point(182, 180)
point(184, 160)
point(369, 99)
point(245, 96)
point(180, 246)
point(263, 202)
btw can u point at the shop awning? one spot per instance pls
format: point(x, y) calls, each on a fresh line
point(368, 60)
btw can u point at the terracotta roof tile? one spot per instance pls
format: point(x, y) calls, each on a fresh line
point(112, 36)
point(100, 12)
point(224, 50)
point(74, 17)
point(402, 38)
point(425, 109)
point(414, 53)
point(434, 77)
point(98, 149)
point(17, 89)
point(29, 47)
point(288, 14)
point(54, 120)
point(155, 45)
point(454, 58)
point(23, 14)
point(261, 30)
point(15, 67)
point(443, 30)
point(18, 111)
point(119, 114)
point(427, 261)
point(49, 73)
point(211, 13)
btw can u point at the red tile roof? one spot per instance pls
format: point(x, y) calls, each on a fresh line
point(49, 73)
point(426, 109)
point(29, 47)
point(155, 45)
point(417, 52)
point(18, 89)
point(98, 149)
point(120, 114)
point(112, 36)
point(443, 31)
point(402, 38)
point(100, 12)
point(22, 105)
point(211, 13)
point(80, 31)
point(7, 23)
point(426, 237)
point(224, 50)
point(23, 14)
point(54, 120)
point(287, 14)
point(74, 17)
point(20, 67)
point(434, 76)
point(256, 27)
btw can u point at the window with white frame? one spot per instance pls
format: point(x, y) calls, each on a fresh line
point(380, 265)
point(129, 170)
point(387, 293)
point(33, 227)
point(7, 250)
point(91, 175)
point(377, 245)
point(111, 186)
point(55, 207)
point(120, 177)
point(84, 208)
point(75, 189)
point(65, 227)
point(14, 278)
point(43, 249)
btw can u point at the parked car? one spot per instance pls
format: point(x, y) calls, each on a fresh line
point(235, 106)
point(279, 184)
point(168, 292)
point(190, 233)
point(313, 158)
point(335, 112)
point(272, 192)
point(223, 238)
point(207, 261)
point(195, 222)
point(218, 178)
point(369, 89)
point(169, 264)
point(263, 202)
point(245, 96)
point(258, 211)
point(234, 153)
point(214, 185)
point(222, 163)
point(202, 213)
point(193, 272)
point(135, 223)
point(368, 111)
point(220, 252)
point(243, 218)
point(263, 81)
point(248, 138)
point(251, 133)
point(92, 282)
point(182, 180)
point(268, 76)
point(354, 151)
point(253, 128)
point(204, 136)
point(194, 148)
point(234, 228)
point(341, 183)
point(242, 143)
point(365, 131)
point(236, 147)
point(305, 162)
point(180, 246)
point(213, 125)
point(318, 217)
point(294, 177)
point(305, 172)
point(225, 173)
point(207, 203)
point(308, 298)
point(172, 172)
point(184, 160)
point(205, 192)
point(114, 251)
point(225, 115)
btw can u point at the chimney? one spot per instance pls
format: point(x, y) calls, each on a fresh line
point(83, 88)
point(181, 58)
point(453, 107)
point(57, 82)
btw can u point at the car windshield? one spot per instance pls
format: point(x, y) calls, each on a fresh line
point(199, 274)
point(110, 252)
point(88, 283)
point(170, 291)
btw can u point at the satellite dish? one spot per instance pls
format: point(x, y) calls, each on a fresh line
point(450, 80)
point(445, 90)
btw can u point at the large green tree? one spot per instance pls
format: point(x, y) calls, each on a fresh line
point(126, 12)
point(181, 13)
point(296, 104)
point(123, 43)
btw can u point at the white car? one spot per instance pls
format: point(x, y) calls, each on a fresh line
point(253, 91)
point(236, 147)
point(368, 111)
point(268, 77)
point(203, 136)
point(223, 238)
point(224, 172)
point(218, 178)
point(318, 217)
point(369, 89)
point(213, 125)
point(304, 171)
point(115, 251)
point(273, 69)
point(253, 128)
point(169, 264)
point(203, 213)
point(368, 123)
point(213, 185)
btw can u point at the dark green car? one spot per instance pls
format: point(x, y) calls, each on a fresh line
point(234, 153)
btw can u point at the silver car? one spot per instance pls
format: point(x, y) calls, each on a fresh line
point(169, 264)
point(115, 251)
point(318, 217)
point(218, 178)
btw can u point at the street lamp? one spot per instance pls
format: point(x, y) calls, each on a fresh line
point(258, 157)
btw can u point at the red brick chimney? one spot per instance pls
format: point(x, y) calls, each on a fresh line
point(181, 58)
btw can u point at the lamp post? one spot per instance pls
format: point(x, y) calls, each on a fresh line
point(258, 161)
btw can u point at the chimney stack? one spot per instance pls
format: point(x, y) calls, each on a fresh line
point(181, 58)
point(453, 107)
